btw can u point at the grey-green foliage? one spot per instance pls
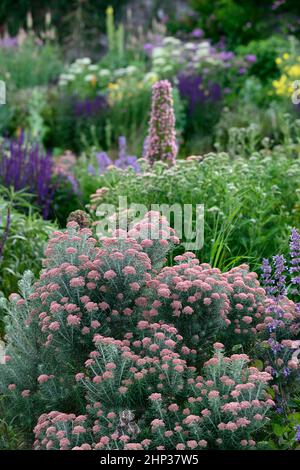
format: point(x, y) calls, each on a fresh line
point(21, 355)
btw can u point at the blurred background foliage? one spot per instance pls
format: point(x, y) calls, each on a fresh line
point(238, 21)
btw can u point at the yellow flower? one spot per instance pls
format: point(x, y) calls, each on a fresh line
point(109, 10)
point(294, 71)
point(286, 56)
point(284, 85)
point(94, 80)
point(281, 85)
point(278, 60)
point(113, 86)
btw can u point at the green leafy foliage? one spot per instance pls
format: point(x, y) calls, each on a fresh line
point(30, 64)
point(248, 204)
point(24, 245)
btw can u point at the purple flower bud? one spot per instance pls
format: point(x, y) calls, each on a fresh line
point(251, 58)
point(197, 33)
point(103, 161)
point(297, 436)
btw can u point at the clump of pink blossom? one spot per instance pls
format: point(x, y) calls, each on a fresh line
point(125, 343)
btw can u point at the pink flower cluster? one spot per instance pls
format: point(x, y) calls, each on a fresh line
point(155, 361)
point(62, 431)
point(128, 339)
point(224, 407)
point(201, 300)
point(155, 236)
point(84, 286)
point(248, 302)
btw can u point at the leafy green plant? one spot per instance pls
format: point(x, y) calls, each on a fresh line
point(30, 64)
point(242, 22)
point(265, 51)
point(284, 428)
point(10, 439)
point(24, 243)
point(249, 206)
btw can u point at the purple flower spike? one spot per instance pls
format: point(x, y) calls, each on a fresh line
point(124, 160)
point(89, 107)
point(295, 260)
point(103, 161)
point(279, 276)
point(297, 436)
point(162, 144)
point(25, 166)
point(267, 280)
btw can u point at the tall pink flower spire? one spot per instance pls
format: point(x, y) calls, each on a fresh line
point(161, 140)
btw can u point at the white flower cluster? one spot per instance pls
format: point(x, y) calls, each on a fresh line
point(85, 70)
point(79, 67)
point(174, 55)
